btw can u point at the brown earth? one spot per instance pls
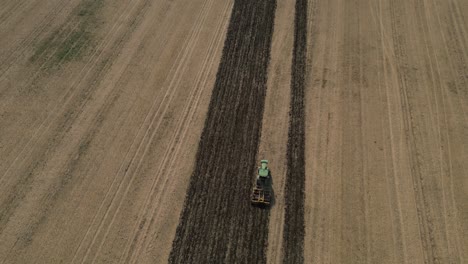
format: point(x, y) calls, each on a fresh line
point(273, 141)
point(102, 106)
point(387, 134)
point(218, 224)
point(294, 227)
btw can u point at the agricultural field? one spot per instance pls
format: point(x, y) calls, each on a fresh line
point(131, 131)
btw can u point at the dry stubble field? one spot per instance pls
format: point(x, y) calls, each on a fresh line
point(130, 131)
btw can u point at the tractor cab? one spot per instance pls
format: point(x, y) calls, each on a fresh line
point(263, 170)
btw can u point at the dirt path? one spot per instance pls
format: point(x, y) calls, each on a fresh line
point(99, 138)
point(386, 133)
point(293, 244)
point(273, 142)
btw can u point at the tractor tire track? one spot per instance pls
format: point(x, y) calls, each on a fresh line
point(130, 168)
point(428, 223)
point(154, 199)
point(293, 234)
point(401, 57)
point(218, 223)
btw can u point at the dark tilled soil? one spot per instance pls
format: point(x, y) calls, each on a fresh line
point(218, 224)
point(295, 178)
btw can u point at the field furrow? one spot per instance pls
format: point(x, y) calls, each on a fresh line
point(217, 223)
point(293, 236)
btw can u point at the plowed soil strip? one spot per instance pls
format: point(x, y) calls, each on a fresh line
point(218, 224)
point(293, 244)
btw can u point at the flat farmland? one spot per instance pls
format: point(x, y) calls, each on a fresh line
point(386, 132)
point(102, 106)
point(130, 131)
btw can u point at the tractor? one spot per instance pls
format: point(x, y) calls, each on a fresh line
point(261, 195)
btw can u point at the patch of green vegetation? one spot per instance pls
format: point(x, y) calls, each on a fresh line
point(89, 8)
point(72, 41)
point(73, 46)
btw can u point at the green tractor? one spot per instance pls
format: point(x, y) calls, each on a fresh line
point(261, 195)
